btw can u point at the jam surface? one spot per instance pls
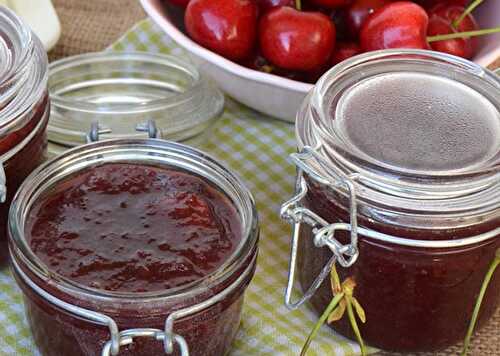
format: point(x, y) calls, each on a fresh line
point(133, 228)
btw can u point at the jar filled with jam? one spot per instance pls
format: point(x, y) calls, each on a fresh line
point(133, 247)
point(24, 109)
point(399, 185)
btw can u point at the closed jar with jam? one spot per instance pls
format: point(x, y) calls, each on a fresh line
point(24, 109)
point(133, 247)
point(399, 185)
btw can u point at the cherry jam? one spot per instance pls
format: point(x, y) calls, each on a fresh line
point(129, 228)
point(407, 143)
point(414, 298)
point(24, 108)
point(32, 153)
point(133, 240)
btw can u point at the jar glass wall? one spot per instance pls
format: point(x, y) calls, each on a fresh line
point(204, 312)
point(24, 107)
point(399, 165)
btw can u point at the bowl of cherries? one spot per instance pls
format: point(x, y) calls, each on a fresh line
point(267, 54)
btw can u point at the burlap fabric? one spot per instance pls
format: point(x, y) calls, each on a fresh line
point(92, 25)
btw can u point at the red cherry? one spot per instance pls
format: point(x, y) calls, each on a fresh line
point(427, 4)
point(401, 24)
point(296, 40)
point(441, 22)
point(359, 10)
point(344, 50)
point(331, 4)
point(339, 19)
point(266, 5)
point(227, 27)
point(182, 3)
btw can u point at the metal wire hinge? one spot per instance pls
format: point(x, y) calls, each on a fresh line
point(324, 232)
point(97, 129)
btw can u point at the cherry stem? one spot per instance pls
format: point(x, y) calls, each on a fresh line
point(451, 36)
point(298, 5)
point(467, 11)
point(333, 304)
point(484, 286)
point(354, 326)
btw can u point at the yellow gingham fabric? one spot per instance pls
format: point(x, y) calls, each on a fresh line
point(256, 147)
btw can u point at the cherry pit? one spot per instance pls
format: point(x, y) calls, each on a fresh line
point(301, 39)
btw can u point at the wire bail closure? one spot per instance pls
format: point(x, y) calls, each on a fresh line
point(324, 232)
point(126, 337)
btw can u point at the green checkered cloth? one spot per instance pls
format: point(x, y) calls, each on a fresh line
point(256, 147)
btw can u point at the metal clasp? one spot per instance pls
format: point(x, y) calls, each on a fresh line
point(96, 130)
point(324, 232)
point(127, 337)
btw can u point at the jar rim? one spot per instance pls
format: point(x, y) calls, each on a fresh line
point(149, 152)
point(457, 194)
point(24, 75)
point(68, 63)
point(121, 91)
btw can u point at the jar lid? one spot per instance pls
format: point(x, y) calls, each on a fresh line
point(23, 71)
point(126, 95)
point(419, 132)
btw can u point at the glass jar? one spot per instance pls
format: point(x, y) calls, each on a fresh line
point(128, 95)
point(399, 183)
point(24, 109)
point(69, 318)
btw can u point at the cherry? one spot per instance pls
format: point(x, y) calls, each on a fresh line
point(227, 27)
point(182, 3)
point(266, 5)
point(330, 4)
point(296, 40)
point(442, 21)
point(338, 17)
point(428, 4)
point(344, 50)
point(401, 24)
point(359, 10)
point(258, 62)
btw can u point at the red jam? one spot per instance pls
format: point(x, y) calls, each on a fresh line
point(132, 228)
point(415, 138)
point(23, 161)
point(129, 228)
point(414, 298)
point(24, 108)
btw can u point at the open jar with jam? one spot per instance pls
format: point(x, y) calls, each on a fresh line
point(24, 109)
point(133, 247)
point(399, 184)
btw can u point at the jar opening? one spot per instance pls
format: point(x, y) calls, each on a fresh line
point(140, 153)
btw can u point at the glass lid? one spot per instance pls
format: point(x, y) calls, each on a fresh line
point(418, 130)
point(23, 67)
point(128, 94)
point(418, 122)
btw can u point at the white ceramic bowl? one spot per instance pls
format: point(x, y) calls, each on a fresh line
point(270, 94)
